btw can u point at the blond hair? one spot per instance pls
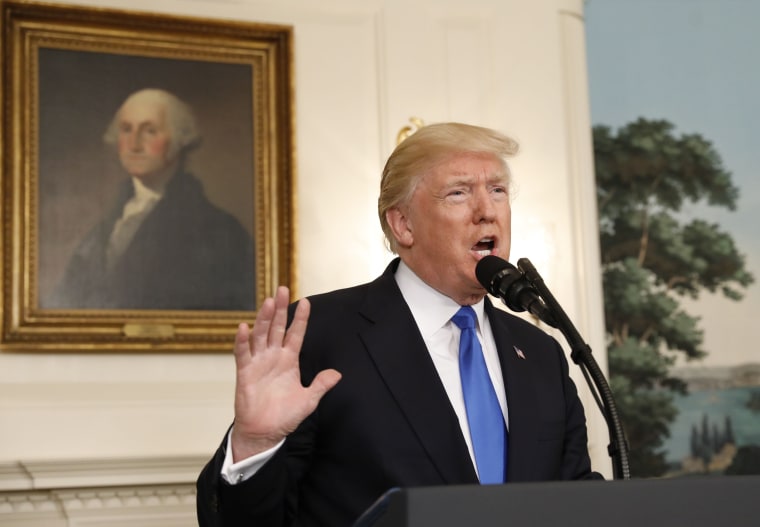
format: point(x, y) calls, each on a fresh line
point(426, 148)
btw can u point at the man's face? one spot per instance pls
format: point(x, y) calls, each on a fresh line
point(459, 212)
point(144, 139)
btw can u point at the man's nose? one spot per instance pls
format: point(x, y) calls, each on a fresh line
point(484, 206)
point(134, 141)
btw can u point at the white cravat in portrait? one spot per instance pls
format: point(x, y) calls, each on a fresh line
point(134, 213)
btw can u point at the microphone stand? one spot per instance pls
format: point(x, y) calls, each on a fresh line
point(581, 355)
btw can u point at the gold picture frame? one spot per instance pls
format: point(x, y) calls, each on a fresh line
point(66, 71)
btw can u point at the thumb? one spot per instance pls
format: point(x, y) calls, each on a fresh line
point(322, 383)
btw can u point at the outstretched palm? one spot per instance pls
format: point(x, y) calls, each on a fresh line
point(270, 401)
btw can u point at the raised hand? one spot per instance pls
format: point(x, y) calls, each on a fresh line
point(270, 401)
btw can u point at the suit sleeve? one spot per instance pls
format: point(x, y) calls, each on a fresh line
point(576, 463)
point(267, 498)
point(261, 500)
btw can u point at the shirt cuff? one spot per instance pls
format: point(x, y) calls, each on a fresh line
point(234, 473)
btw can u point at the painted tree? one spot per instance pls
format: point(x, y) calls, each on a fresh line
point(652, 257)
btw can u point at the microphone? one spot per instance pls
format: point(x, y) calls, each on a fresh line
point(504, 280)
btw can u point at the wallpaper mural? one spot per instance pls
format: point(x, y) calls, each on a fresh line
point(674, 95)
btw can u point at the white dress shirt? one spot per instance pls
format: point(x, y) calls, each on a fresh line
point(432, 311)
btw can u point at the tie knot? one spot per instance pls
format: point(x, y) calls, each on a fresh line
point(464, 318)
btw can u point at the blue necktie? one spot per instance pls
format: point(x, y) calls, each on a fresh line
point(487, 429)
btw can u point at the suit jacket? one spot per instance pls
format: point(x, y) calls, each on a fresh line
point(389, 423)
point(186, 254)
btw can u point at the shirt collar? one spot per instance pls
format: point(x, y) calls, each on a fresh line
point(430, 308)
point(144, 194)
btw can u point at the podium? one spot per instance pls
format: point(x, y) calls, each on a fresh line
point(683, 502)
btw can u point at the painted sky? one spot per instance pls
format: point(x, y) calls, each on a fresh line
point(696, 64)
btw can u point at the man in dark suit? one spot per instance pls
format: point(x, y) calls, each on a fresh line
point(367, 396)
point(163, 245)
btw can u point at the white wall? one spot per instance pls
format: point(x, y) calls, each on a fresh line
point(362, 69)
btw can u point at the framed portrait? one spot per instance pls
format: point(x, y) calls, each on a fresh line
point(147, 174)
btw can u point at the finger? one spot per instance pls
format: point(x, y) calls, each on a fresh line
point(242, 347)
point(280, 318)
point(260, 334)
point(297, 329)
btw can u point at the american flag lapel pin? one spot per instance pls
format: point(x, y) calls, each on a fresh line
point(519, 352)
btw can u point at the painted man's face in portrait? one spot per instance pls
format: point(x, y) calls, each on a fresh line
point(144, 139)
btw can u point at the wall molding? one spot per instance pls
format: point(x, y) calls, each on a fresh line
point(95, 492)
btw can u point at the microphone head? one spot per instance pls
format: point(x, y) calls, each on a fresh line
point(489, 270)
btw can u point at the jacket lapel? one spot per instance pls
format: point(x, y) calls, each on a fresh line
point(521, 394)
point(402, 359)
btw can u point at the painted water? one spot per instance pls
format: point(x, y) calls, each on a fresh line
point(719, 416)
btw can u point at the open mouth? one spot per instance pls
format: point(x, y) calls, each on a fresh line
point(484, 247)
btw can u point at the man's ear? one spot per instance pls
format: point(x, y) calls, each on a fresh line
point(401, 226)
